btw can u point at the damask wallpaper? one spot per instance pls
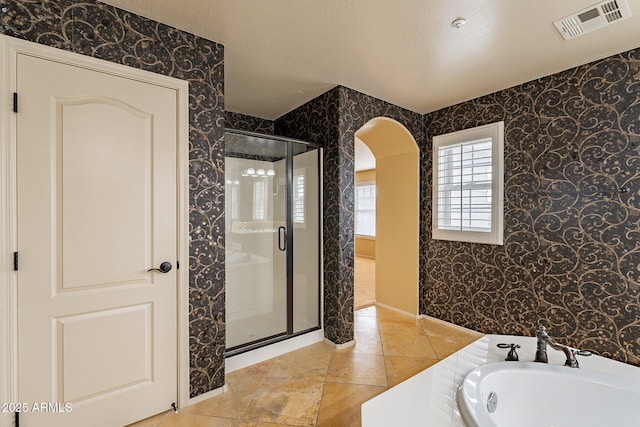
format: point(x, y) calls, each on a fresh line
point(572, 189)
point(571, 254)
point(317, 121)
point(332, 119)
point(572, 219)
point(98, 30)
point(248, 123)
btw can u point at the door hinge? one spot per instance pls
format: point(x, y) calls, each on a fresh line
point(15, 261)
point(15, 102)
point(177, 265)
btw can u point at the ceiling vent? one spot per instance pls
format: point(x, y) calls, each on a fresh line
point(592, 18)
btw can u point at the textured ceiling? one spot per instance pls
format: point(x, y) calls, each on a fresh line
point(281, 53)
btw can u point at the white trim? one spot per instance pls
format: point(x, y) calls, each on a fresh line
point(445, 323)
point(340, 346)
point(184, 362)
point(495, 131)
point(270, 351)
point(321, 232)
point(397, 310)
point(8, 243)
point(9, 48)
point(205, 396)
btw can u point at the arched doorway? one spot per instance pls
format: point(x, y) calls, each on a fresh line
point(397, 208)
point(364, 266)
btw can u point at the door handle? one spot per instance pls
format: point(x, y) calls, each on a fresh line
point(165, 267)
point(282, 244)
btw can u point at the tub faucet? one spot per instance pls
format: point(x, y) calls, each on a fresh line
point(570, 353)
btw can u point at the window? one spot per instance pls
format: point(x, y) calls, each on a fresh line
point(468, 180)
point(259, 200)
point(366, 209)
point(298, 197)
point(234, 202)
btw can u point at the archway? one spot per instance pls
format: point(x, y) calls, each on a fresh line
point(397, 208)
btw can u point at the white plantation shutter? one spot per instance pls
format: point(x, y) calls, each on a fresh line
point(298, 198)
point(234, 202)
point(259, 200)
point(464, 186)
point(365, 217)
point(468, 180)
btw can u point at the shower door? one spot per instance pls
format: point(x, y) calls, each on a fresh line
point(272, 239)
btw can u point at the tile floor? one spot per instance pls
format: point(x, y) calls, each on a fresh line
point(364, 281)
point(321, 386)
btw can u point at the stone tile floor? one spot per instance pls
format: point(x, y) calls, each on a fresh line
point(321, 386)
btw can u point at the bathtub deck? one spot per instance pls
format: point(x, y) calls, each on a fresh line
point(431, 394)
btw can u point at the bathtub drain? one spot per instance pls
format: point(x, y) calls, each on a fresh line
point(492, 402)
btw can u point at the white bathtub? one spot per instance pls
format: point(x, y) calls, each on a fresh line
point(533, 394)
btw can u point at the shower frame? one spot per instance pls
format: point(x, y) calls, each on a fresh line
point(289, 168)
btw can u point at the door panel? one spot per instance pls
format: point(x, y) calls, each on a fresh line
point(102, 335)
point(118, 185)
point(306, 238)
point(96, 198)
point(256, 292)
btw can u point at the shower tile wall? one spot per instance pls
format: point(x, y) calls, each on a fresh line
point(102, 31)
point(571, 257)
point(332, 120)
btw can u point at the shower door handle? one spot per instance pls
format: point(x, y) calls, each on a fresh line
point(282, 238)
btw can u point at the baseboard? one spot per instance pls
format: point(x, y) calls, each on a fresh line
point(444, 322)
point(340, 346)
point(258, 355)
point(364, 306)
point(396, 310)
point(207, 395)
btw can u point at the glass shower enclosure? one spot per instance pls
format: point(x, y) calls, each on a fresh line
point(272, 229)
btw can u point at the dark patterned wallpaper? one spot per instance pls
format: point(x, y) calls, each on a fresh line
point(570, 259)
point(317, 121)
point(332, 120)
point(96, 29)
point(571, 254)
point(249, 123)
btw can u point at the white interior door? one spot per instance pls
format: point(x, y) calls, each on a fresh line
point(96, 208)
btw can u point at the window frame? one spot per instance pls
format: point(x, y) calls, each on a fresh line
point(495, 131)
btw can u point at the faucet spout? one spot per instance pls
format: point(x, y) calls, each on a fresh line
point(570, 353)
point(571, 358)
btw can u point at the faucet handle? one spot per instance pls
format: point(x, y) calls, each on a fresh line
point(573, 362)
point(512, 356)
point(576, 352)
